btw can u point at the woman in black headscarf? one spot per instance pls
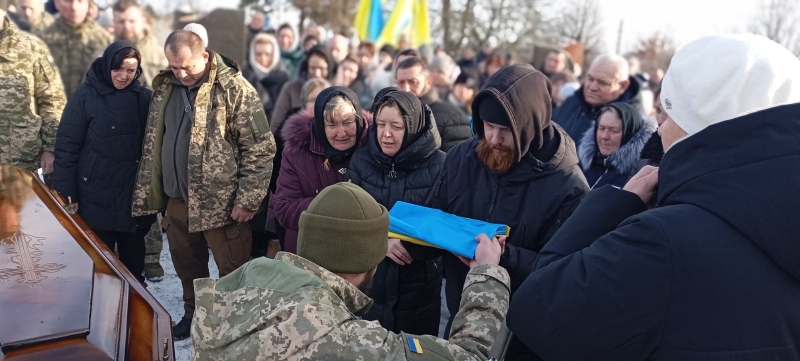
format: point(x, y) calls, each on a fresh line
point(97, 151)
point(317, 149)
point(401, 163)
point(609, 151)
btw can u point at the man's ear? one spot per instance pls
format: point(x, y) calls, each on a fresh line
point(623, 85)
point(206, 56)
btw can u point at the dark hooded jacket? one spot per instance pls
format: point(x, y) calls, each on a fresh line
point(407, 298)
point(623, 164)
point(712, 273)
point(453, 124)
point(99, 144)
point(307, 166)
point(534, 197)
point(289, 98)
point(575, 115)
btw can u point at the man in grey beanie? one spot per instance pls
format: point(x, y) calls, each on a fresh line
point(302, 307)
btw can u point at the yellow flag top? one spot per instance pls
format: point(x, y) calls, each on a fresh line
point(408, 17)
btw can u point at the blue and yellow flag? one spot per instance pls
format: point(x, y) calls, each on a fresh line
point(420, 34)
point(409, 17)
point(413, 345)
point(369, 20)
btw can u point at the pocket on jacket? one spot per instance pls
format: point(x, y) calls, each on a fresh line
point(16, 101)
point(86, 171)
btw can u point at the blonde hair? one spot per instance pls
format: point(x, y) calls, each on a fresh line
point(334, 103)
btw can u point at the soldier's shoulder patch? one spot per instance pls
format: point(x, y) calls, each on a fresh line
point(414, 345)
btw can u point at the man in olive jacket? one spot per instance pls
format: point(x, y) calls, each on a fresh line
point(207, 158)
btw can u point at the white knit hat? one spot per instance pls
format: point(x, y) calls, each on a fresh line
point(198, 29)
point(719, 78)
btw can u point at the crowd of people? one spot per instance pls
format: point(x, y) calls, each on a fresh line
point(648, 217)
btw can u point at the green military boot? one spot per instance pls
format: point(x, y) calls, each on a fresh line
point(153, 271)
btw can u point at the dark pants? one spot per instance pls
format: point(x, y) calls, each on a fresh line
point(229, 244)
point(130, 247)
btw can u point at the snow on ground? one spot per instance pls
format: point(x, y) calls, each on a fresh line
point(168, 292)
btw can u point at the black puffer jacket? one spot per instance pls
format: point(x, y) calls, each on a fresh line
point(534, 197)
point(621, 166)
point(98, 147)
point(711, 274)
point(452, 123)
point(407, 298)
point(268, 87)
point(575, 115)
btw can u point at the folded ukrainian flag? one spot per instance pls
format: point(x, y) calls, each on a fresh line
point(432, 227)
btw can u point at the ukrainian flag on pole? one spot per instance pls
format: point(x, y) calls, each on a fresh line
point(399, 20)
point(420, 34)
point(369, 19)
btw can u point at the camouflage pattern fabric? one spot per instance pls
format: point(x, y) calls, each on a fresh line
point(44, 20)
point(31, 98)
point(230, 152)
point(153, 243)
point(292, 309)
point(153, 58)
point(74, 48)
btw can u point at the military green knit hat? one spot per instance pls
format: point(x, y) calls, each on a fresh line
point(344, 230)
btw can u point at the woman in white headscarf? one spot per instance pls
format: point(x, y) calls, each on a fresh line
point(265, 71)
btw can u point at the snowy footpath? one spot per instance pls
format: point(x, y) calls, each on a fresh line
point(168, 292)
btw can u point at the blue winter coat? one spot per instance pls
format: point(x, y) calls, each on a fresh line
point(712, 273)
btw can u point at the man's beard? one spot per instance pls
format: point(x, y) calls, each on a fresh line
point(498, 162)
point(366, 285)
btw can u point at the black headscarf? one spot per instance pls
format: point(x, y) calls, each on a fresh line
point(322, 52)
point(331, 153)
point(632, 120)
point(100, 71)
point(411, 111)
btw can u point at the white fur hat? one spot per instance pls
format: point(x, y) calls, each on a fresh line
point(198, 29)
point(719, 78)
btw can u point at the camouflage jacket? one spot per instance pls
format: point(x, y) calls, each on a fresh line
point(230, 151)
point(292, 309)
point(31, 98)
point(153, 58)
point(44, 20)
point(74, 48)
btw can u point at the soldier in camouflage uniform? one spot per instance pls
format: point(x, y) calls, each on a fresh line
point(33, 12)
point(130, 23)
point(75, 41)
point(31, 100)
point(303, 307)
point(207, 158)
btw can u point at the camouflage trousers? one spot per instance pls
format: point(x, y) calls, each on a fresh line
point(153, 243)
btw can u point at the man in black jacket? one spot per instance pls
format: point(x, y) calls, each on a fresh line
point(520, 170)
point(607, 81)
point(713, 272)
point(413, 77)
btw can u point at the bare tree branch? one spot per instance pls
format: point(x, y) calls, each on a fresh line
point(779, 20)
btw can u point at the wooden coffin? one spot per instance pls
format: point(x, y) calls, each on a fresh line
point(65, 296)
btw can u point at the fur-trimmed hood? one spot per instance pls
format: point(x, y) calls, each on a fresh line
point(298, 136)
point(626, 159)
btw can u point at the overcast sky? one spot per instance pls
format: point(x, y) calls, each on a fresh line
point(686, 20)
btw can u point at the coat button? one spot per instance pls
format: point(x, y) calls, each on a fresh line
point(85, 179)
point(113, 127)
